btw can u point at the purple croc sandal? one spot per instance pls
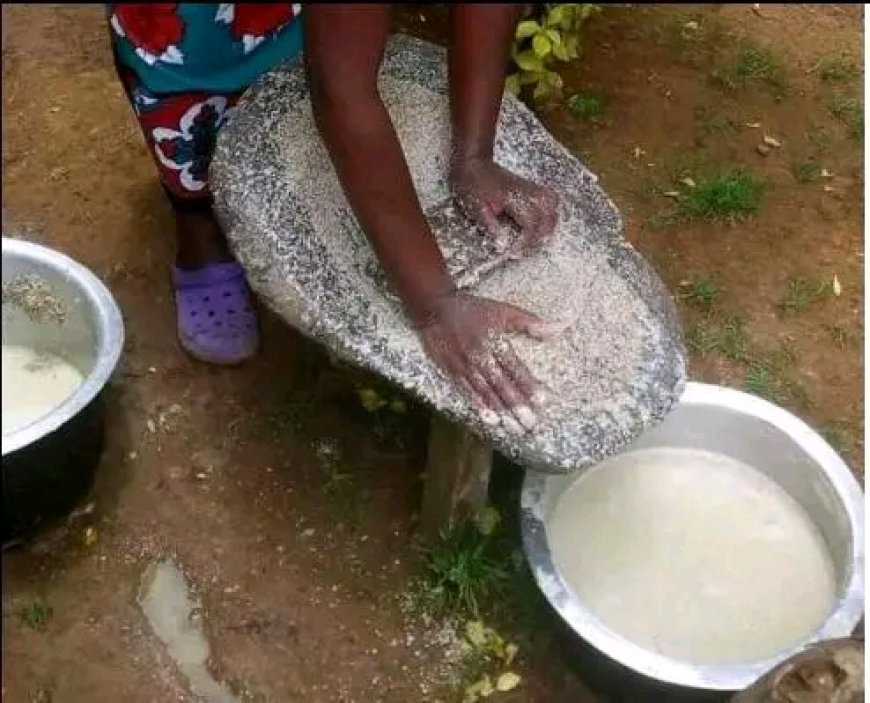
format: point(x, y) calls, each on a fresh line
point(216, 318)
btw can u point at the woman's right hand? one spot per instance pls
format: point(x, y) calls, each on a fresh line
point(456, 333)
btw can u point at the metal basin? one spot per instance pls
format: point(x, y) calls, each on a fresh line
point(757, 433)
point(53, 304)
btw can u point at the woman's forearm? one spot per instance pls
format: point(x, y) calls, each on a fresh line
point(344, 46)
point(479, 51)
point(379, 188)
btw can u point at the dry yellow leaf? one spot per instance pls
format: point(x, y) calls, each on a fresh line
point(475, 632)
point(90, 536)
point(508, 681)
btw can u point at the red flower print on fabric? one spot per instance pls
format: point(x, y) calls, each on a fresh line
point(154, 29)
point(251, 23)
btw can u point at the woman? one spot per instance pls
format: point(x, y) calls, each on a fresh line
point(184, 66)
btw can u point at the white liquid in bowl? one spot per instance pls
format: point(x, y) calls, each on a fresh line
point(693, 555)
point(34, 383)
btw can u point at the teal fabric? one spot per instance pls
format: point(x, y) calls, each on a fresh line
point(212, 59)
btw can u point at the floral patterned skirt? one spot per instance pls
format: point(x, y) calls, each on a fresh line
point(184, 66)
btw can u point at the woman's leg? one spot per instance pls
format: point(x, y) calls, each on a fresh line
point(216, 318)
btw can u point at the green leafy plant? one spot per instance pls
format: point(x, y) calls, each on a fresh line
point(551, 34)
point(586, 105)
point(461, 573)
point(35, 613)
point(803, 292)
point(701, 292)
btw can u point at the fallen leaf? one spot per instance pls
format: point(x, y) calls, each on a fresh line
point(688, 182)
point(475, 632)
point(771, 141)
point(479, 689)
point(370, 400)
point(90, 536)
point(508, 681)
point(487, 520)
point(836, 286)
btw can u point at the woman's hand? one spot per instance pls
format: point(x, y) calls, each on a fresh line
point(486, 191)
point(456, 336)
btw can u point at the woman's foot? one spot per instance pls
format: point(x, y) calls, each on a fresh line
point(217, 322)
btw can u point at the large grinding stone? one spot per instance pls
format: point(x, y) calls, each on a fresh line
point(617, 369)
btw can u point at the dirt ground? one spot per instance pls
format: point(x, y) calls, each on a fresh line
point(232, 477)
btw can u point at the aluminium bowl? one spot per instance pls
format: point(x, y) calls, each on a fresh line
point(48, 464)
point(759, 434)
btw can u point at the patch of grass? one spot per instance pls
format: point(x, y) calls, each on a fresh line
point(839, 436)
point(731, 193)
point(713, 122)
point(804, 292)
point(726, 337)
point(843, 106)
point(587, 105)
point(461, 574)
point(757, 64)
point(701, 292)
point(836, 69)
point(752, 64)
point(759, 381)
point(856, 127)
point(820, 139)
point(767, 377)
point(766, 383)
point(841, 337)
point(850, 111)
point(35, 613)
point(807, 171)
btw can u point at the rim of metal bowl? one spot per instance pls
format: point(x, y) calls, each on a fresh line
point(715, 677)
point(109, 340)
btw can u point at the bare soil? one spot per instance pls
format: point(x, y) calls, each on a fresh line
point(229, 473)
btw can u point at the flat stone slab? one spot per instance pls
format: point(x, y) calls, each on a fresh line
point(616, 369)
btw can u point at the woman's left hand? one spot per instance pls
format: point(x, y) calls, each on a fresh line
point(486, 191)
